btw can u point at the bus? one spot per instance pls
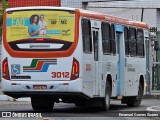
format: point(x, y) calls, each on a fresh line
point(70, 55)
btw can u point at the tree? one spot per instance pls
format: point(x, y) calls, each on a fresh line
point(4, 6)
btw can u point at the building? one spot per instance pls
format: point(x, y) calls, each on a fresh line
point(147, 11)
point(65, 3)
point(22, 3)
point(80, 3)
point(141, 10)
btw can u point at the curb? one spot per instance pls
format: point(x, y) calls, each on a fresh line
point(151, 97)
point(153, 108)
point(154, 111)
point(7, 98)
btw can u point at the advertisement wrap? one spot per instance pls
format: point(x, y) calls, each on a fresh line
point(47, 24)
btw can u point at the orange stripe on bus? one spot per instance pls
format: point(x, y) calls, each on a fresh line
point(108, 18)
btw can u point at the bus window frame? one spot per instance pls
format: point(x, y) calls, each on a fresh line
point(141, 43)
point(133, 42)
point(106, 48)
point(85, 36)
point(126, 41)
point(112, 39)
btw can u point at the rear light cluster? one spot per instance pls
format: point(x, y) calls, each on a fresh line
point(74, 72)
point(75, 69)
point(5, 69)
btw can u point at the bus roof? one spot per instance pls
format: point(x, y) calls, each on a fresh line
point(113, 19)
point(89, 14)
point(39, 7)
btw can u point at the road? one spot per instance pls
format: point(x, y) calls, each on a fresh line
point(63, 111)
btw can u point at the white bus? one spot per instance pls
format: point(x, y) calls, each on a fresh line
point(82, 57)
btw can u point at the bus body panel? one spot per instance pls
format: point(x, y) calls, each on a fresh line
point(132, 81)
point(109, 64)
point(54, 85)
point(45, 70)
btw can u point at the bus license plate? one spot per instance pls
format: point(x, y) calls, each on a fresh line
point(39, 87)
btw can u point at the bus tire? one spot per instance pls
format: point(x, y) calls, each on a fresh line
point(106, 99)
point(136, 101)
point(38, 104)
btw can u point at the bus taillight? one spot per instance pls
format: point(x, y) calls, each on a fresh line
point(39, 39)
point(75, 69)
point(5, 69)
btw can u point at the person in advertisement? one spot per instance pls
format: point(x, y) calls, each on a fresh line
point(43, 25)
point(34, 27)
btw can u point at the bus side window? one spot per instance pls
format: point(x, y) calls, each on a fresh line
point(86, 36)
point(132, 42)
point(112, 38)
point(140, 43)
point(126, 38)
point(105, 38)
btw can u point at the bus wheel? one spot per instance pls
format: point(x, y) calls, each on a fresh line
point(106, 99)
point(136, 101)
point(42, 104)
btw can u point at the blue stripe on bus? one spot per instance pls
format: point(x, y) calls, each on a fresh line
point(119, 28)
point(118, 80)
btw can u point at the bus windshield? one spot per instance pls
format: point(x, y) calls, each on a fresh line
point(34, 30)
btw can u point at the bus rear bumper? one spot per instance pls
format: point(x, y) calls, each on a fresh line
point(55, 89)
point(54, 95)
point(18, 86)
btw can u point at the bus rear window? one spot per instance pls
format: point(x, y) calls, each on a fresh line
point(40, 30)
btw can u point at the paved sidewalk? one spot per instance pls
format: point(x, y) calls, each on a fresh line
point(153, 108)
point(7, 98)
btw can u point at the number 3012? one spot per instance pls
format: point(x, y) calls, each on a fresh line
point(60, 74)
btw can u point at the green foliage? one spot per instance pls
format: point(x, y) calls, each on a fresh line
point(4, 6)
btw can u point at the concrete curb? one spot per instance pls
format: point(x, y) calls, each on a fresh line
point(4, 97)
point(7, 98)
point(153, 108)
point(27, 99)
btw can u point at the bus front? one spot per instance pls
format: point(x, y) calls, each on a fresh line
point(38, 54)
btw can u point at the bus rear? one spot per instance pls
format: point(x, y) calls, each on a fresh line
point(38, 59)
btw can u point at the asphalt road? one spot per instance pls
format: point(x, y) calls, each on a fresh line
point(64, 111)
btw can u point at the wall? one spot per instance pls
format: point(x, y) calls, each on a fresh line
point(78, 3)
point(149, 15)
point(158, 19)
point(22, 3)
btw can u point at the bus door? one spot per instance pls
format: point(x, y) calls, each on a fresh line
point(95, 36)
point(120, 59)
